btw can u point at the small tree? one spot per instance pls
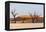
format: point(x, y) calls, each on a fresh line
point(32, 17)
point(36, 16)
point(14, 15)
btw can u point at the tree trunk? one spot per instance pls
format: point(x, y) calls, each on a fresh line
point(32, 20)
point(14, 19)
point(36, 20)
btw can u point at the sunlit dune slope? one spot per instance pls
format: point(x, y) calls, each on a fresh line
point(26, 16)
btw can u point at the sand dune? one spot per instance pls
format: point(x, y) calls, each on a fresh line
point(27, 19)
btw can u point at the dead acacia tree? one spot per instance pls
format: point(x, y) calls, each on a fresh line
point(14, 15)
point(32, 17)
point(35, 17)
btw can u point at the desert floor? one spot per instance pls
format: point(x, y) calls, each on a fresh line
point(25, 25)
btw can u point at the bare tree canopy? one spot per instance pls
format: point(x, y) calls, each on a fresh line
point(14, 13)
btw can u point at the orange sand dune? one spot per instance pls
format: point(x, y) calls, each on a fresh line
point(28, 17)
point(25, 16)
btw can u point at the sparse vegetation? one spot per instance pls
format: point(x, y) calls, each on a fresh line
point(32, 18)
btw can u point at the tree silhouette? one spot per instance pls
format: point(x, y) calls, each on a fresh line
point(32, 17)
point(36, 17)
point(14, 15)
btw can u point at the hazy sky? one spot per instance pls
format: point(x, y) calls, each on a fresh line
point(25, 9)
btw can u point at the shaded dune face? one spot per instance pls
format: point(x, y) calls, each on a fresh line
point(27, 19)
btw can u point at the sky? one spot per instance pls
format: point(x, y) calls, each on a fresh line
point(25, 9)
